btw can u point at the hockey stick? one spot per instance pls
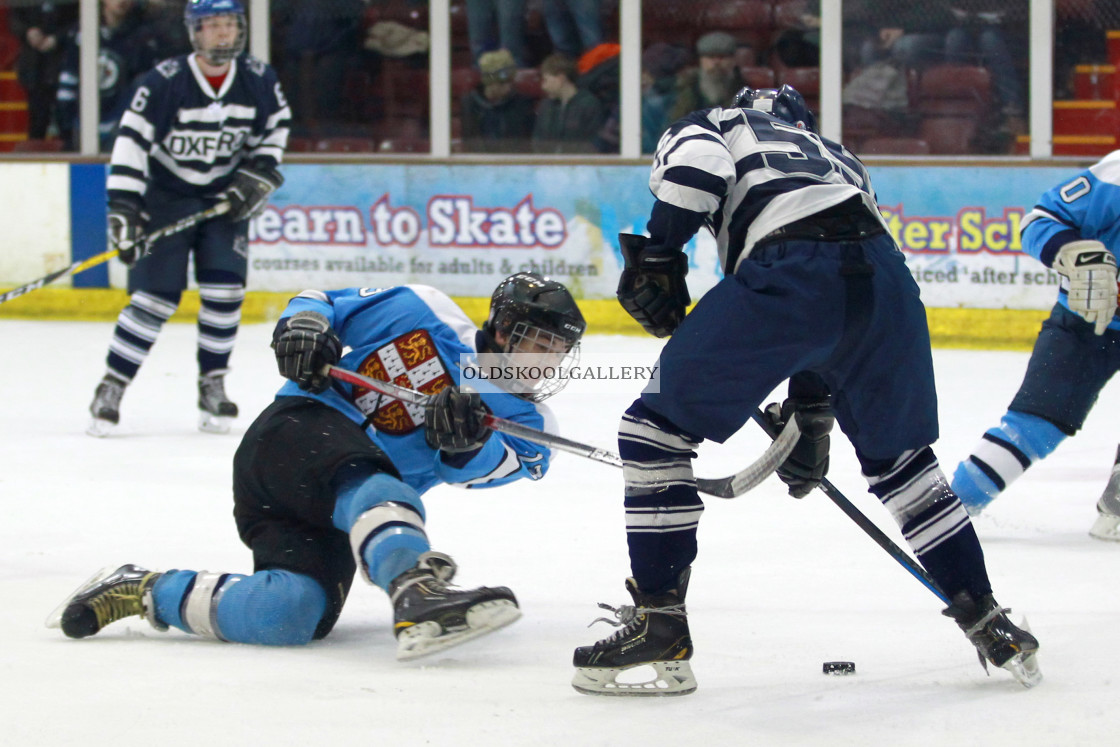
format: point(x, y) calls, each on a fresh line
point(866, 524)
point(726, 487)
point(81, 266)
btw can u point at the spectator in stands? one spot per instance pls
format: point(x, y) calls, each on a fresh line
point(660, 65)
point(907, 33)
point(317, 41)
point(41, 29)
point(496, 118)
point(165, 19)
point(129, 49)
point(799, 45)
point(508, 16)
point(714, 82)
point(574, 26)
point(979, 37)
point(570, 117)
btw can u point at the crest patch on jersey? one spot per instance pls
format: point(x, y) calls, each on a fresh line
point(411, 360)
point(168, 67)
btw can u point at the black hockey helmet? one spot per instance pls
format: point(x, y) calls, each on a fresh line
point(785, 103)
point(529, 298)
point(534, 315)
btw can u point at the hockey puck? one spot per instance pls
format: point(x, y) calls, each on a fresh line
point(839, 667)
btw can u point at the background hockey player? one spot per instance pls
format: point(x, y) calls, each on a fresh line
point(203, 127)
point(328, 478)
point(1073, 230)
point(816, 292)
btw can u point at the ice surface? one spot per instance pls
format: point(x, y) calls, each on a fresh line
point(780, 586)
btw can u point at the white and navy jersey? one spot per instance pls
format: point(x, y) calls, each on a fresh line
point(744, 174)
point(182, 136)
point(1084, 207)
point(414, 335)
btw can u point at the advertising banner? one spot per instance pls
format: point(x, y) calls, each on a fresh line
point(465, 227)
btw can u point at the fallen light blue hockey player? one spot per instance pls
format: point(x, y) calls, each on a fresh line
point(1074, 230)
point(328, 478)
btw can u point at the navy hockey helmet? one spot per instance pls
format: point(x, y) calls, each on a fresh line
point(196, 10)
point(534, 315)
point(785, 103)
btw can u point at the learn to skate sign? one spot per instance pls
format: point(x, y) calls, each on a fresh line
point(452, 221)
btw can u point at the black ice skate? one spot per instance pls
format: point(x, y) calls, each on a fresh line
point(430, 615)
point(108, 596)
point(654, 634)
point(215, 411)
point(106, 406)
point(996, 638)
point(1107, 525)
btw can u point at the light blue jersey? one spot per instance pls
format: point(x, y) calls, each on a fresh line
point(414, 335)
point(1085, 207)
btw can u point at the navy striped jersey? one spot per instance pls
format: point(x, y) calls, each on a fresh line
point(183, 137)
point(414, 335)
point(744, 174)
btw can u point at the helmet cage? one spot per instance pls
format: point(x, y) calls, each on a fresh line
point(539, 357)
point(196, 11)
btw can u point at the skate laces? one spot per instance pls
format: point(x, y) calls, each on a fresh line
point(119, 603)
point(628, 615)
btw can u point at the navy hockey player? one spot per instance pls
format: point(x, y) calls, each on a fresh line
point(1073, 230)
point(328, 478)
point(816, 292)
point(200, 128)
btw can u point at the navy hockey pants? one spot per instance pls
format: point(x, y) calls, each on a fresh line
point(849, 311)
point(1067, 370)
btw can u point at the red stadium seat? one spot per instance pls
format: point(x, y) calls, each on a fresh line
point(967, 88)
point(949, 135)
point(404, 145)
point(749, 21)
point(757, 77)
point(894, 146)
point(346, 145)
point(528, 82)
point(301, 144)
point(807, 80)
point(50, 145)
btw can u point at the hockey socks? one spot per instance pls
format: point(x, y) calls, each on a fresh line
point(385, 520)
point(272, 608)
point(662, 506)
point(1003, 454)
point(937, 528)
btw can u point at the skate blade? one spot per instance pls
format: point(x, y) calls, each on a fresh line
point(428, 637)
point(210, 423)
point(1106, 527)
point(669, 678)
point(1024, 667)
point(54, 619)
point(99, 428)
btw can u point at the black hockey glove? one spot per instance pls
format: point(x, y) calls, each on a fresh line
point(304, 343)
point(807, 464)
point(128, 227)
point(453, 421)
point(652, 288)
point(252, 185)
